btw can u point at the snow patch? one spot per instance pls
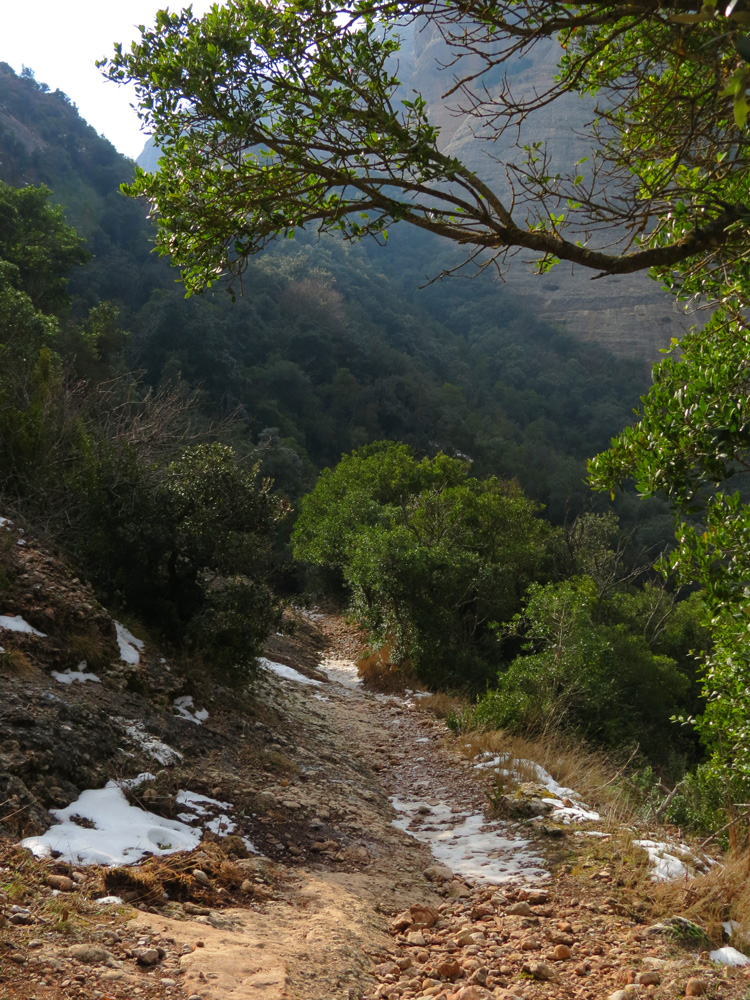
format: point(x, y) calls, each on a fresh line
point(116, 832)
point(729, 956)
point(667, 866)
point(15, 623)
point(69, 676)
point(510, 766)
point(159, 751)
point(468, 844)
point(572, 814)
point(129, 645)
point(186, 710)
point(287, 673)
point(207, 811)
point(341, 670)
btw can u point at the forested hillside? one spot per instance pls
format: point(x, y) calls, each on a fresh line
point(169, 445)
point(330, 345)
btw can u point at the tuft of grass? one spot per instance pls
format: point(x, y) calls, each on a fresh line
point(380, 672)
point(145, 884)
point(720, 894)
point(15, 663)
point(593, 773)
point(441, 705)
point(90, 645)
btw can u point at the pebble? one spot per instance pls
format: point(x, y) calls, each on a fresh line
point(542, 971)
point(89, 954)
point(649, 978)
point(438, 873)
point(562, 953)
point(200, 876)
point(60, 882)
point(696, 987)
point(147, 956)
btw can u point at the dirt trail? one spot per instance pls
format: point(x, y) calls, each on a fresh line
point(323, 937)
point(342, 903)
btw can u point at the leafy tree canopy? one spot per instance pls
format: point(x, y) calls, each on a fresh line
point(429, 553)
point(41, 246)
point(274, 116)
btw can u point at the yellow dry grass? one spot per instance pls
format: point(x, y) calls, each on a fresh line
point(380, 672)
point(594, 774)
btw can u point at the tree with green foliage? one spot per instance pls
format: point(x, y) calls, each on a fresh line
point(304, 106)
point(179, 535)
point(590, 666)
point(37, 241)
point(431, 555)
point(276, 116)
point(690, 443)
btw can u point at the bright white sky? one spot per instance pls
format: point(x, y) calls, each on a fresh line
point(61, 41)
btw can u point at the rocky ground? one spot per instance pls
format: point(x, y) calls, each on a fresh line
point(338, 902)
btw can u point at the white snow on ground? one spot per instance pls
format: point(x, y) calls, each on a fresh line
point(118, 833)
point(313, 616)
point(201, 807)
point(513, 767)
point(343, 671)
point(729, 956)
point(15, 623)
point(121, 834)
point(69, 676)
point(665, 864)
point(154, 748)
point(4, 521)
point(139, 779)
point(128, 644)
point(572, 814)
point(468, 844)
point(187, 710)
point(509, 766)
point(288, 673)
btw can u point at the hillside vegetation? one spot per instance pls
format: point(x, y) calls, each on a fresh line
point(162, 442)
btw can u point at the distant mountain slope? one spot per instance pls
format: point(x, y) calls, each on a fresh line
point(332, 345)
point(629, 315)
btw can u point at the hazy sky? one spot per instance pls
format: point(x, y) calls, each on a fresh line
point(61, 41)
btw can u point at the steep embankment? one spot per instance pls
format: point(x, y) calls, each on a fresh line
point(307, 809)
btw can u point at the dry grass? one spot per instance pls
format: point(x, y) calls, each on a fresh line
point(721, 894)
point(441, 705)
point(90, 645)
point(15, 663)
point(707, 898)
point(594, 774)
point(380, 673)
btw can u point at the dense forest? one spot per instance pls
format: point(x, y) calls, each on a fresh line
point(330, 345)
point(177, 440)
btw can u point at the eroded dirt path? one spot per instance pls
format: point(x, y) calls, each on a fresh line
point(377, 874)
point(329, 930)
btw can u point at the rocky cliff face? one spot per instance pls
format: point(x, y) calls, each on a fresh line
point(630, 315)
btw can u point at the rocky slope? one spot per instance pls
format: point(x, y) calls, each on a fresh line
point(312, 874)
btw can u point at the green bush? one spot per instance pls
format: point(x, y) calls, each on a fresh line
point(430, 555)
point(588, 666)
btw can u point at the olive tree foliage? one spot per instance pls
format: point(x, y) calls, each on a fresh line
point(276, 115)
point(431, 556)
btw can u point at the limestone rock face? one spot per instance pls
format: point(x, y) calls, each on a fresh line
point(630, 315)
